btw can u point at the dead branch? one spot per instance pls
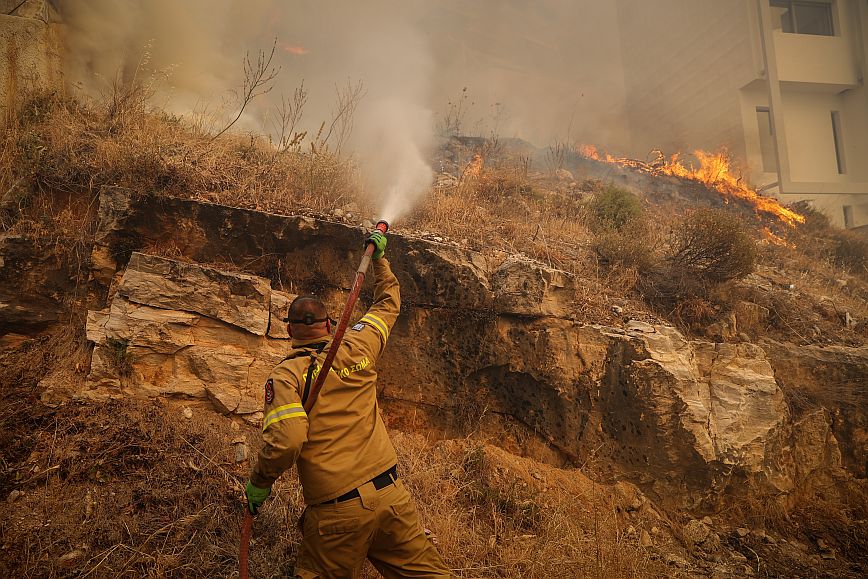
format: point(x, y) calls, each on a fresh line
point(341, 125)
point(258, 81)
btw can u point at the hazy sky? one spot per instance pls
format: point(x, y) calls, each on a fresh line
point(546, 71)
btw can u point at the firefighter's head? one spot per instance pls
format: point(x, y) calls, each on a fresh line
point(308, 318)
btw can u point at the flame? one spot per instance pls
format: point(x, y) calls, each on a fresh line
point(296, 50)
point(775, 239)
point(715, 172)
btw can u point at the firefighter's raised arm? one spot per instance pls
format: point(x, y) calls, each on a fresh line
point(372, 331)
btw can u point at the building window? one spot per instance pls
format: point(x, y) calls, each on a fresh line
point(839, 142)
point(766, 139)
point(848, 216)
point(803, 17)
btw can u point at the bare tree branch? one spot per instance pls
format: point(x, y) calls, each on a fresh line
point(258, 80)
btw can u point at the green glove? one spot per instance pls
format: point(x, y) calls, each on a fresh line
point(379, 242)
point(255, 497)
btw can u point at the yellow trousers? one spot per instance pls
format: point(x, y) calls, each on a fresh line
point(381, 525)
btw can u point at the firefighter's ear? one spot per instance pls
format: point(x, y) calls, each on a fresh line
point(328, 325)
point(289, 330)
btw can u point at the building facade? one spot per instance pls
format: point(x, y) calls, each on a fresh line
point(780, 83)
point(30, 52)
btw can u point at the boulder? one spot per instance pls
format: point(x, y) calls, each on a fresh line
point(239, 299)
point(525, 287)
point(144, 350)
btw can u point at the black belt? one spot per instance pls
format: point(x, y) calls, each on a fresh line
point(380, 481)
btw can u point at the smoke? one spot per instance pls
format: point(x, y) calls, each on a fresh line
point(545, 71)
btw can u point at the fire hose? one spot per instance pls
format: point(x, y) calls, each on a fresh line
point(247, 525)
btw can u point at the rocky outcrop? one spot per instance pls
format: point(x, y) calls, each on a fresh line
point(834, 378)
point(37, 279)
point(175, 328)
point(481, 346)
point(239, 299)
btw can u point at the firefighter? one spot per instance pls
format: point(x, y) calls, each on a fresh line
point(357, 504)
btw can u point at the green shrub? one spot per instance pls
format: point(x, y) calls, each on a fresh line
point(614, 208)
point(713, 246)
point(120, 356)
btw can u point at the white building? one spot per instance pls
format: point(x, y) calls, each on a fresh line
point(781, 83)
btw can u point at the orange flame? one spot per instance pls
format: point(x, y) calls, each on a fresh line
point(296, 50)
point(715, 172)
point(775, 239)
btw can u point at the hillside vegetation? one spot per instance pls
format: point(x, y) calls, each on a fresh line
point(152, 487)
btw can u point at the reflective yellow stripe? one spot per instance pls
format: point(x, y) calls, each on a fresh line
point(294, 410)
point(377, 323)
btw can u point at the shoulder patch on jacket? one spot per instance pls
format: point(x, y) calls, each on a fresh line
point(359, 327)
point(269, 391)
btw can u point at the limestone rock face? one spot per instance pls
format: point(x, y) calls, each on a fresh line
point(480, 346)
point(522, 286)
point(279, 307)
point(175, 328)
point(830, 377)
point(239, 299)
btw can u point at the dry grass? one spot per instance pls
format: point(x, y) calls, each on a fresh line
point(58, 155)
point(134, 488)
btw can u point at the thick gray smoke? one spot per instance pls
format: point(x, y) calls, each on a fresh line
point(545, 71)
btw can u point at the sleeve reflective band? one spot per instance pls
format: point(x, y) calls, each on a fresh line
point(377, 323)
point(282, 413)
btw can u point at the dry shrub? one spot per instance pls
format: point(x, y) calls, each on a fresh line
point(851, 252)
point(78, 148)
point(713, 245)
point(709, 249)
point(497, 185)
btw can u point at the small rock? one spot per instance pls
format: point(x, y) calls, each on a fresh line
point(696, 531)
point(188, 412)
point(240, 452)
point(351, 207)
point(367, 224)
point(350, 215)
point(618, 310)
point(707, 520)
point(339, 213)
point(640, 326)
point(827, 554)
point(14, 496)
point(564, 175)
point(849, 321)
point(822, 544)
point(645, 539)
point(742, 532)
point(744, 337)
point(655, 530)
point(675, 560)
point(738, 557)
point(69, 560)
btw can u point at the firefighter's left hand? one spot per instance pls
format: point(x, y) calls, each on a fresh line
point(255, 497)
point(378, 240)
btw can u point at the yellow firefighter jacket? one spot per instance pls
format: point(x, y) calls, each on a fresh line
point(343, 443)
